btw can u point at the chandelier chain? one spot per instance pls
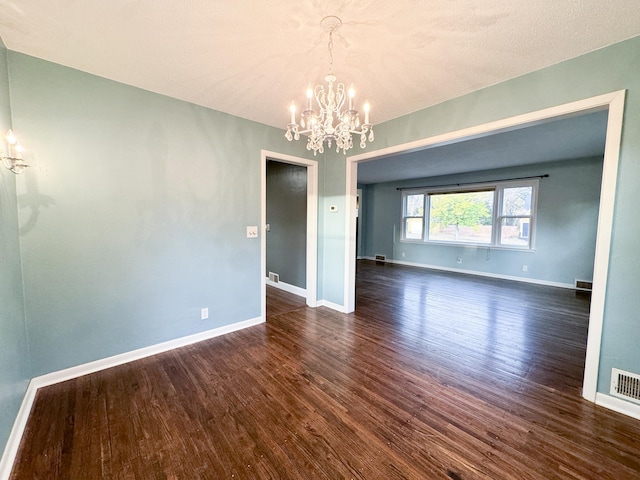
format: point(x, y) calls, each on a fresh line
point(331, 51)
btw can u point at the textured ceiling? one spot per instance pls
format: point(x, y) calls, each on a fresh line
point(251, 58)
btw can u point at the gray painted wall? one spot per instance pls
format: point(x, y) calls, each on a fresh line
point(567, 218)
point(287, 217)
point(15, 370)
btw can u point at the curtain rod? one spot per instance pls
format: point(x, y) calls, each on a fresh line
point(546, 175)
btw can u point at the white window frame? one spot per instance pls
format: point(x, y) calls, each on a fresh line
point(496, 232)
point(424, 216)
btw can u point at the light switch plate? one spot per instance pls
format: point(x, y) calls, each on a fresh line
point(252, 232)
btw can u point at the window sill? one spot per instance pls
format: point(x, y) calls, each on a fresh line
point(473, 245)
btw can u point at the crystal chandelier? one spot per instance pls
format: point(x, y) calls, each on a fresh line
point(331, 123)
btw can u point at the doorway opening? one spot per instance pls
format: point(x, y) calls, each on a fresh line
point(291, 170)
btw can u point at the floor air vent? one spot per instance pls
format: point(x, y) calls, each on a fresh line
point(274, 277)
point(381, 258)
point(625, 385)
point(584, 285)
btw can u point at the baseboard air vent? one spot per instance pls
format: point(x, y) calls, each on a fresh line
point(625, 385)
point(584, 285)
point(381, 258)
point(274, 277)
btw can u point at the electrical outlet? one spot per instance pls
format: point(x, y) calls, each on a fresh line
point(204, 313)
point(525, 268)
point(459, 259)
point(403, 254)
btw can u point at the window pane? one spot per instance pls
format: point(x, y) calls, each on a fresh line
point(516, 201)
point(461, 217)
point(515, 231)
point(413, 229)
point(415, 205)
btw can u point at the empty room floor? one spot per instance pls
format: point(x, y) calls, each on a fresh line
point(435, 376)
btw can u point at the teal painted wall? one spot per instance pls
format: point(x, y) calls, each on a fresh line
point(287, 217)
point(607, 70)
point(331, 227)
point(15, 370)
point(134, 214)
point(567, 218)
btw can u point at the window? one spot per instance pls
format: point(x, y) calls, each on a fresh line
point(515, 216)
point(414, 216)
point(499, 214)
point(462, 217)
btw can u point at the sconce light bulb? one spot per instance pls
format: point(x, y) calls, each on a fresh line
point(12, 154)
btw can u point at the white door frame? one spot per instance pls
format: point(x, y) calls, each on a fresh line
point(614, 102)
point(312, 225)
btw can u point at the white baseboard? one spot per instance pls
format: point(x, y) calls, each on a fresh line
point(333, 306)
point(301, 292)
point(13, 442)
point(480, 274)
point(102, 364)
point(618, 405)
point(15, 436)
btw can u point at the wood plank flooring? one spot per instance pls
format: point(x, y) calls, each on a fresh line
point(436, 376)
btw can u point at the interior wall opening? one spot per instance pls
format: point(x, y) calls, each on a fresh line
point(614, 105)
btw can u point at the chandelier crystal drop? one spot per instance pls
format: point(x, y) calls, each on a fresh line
point(331, 123)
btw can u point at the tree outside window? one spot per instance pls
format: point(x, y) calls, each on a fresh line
point(461, 217)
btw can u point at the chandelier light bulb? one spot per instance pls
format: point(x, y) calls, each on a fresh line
point(292, 109)
point(11, 137)
point(309, 97)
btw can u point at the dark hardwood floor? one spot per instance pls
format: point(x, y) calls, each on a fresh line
point(280, 302)
point(436, 376)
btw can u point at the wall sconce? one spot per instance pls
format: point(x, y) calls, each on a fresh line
point(12, 155)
